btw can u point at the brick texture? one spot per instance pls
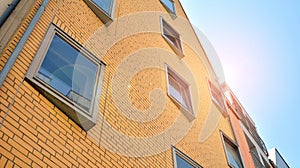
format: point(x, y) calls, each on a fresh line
point(36, 133)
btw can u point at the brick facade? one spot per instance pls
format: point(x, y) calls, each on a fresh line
point(36, 133)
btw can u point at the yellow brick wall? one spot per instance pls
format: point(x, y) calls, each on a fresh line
point(12, 21)
point(35, 133)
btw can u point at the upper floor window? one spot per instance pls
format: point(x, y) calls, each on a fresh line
point(106, 5)
point(104, 9)
point(179, 90)
point(183, 161)
point(169, 5)
point(172, 37)
point(69, 76)
point(232, 153)
point(234, 104)
point(216, 96)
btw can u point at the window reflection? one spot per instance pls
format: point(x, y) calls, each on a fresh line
point(104, 4)
point(179, 90)
point(172, 35)
point(233, 154)
point(181, 160)
point(169, 4)
point(69, 72)
point(181, 163)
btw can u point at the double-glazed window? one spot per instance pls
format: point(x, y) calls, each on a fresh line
point(69, 72)
point(232, 153)
point(104, 9)
point(105, 5)
point(169, 5)
point(172, 37)
point(183, 161)
point(69, 76)
point(216, 96)
point(179, 90)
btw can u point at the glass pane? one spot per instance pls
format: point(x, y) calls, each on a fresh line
point(178, 92)
point(233, 156)
point(186, 97)
point(169, 4)
point(181, 163)
point(69, 72)
point(216, 95)
point(104, 4)
point(172, 35)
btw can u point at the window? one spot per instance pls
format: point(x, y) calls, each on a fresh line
point(169, 5)
point(105, 5)
point(179, 90)
point(172, 37)
point(216, 96)
point(234, 104)
point(232, 153)
point(69, 76)
point(183, 161)
point(104, 9)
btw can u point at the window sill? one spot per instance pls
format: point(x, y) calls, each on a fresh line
point(221, 109)
point(190, 115)
point(80, 116)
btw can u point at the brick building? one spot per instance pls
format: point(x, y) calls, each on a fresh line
point(113, 83)
point(252, 147)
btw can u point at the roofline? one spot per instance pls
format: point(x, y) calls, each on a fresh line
point(210, 65)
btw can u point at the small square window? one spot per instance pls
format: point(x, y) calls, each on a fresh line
point(181, 160)
point(232, 153)
point(104, 9)
point(69, 76)
point(179, 90)
point(169, 5)
point(172, 37)
point(216, 96)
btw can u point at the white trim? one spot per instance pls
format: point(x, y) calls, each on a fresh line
point(189, 113)
point(216, 102)
point(177, 152)
point(178, 51)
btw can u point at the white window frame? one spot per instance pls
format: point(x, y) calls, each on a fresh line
point(188, 112)
point(177, 152)
point(85, 119)
point(167, 8)
point(101, 13)
point(218, 101)
point(226, 139)
point(179, 51)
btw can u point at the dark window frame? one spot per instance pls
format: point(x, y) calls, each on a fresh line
point(229, 141)
point(183, 156)
point(84, 118)
point(177, 37)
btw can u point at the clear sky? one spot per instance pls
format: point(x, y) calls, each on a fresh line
point(258, 43)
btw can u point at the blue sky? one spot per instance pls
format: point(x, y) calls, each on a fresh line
point(258, 43)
